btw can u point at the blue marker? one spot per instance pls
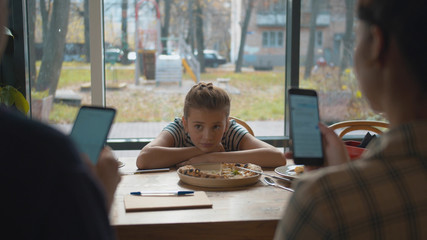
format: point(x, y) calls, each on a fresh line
point(160, 193)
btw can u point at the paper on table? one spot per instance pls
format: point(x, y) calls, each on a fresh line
point(152, 203)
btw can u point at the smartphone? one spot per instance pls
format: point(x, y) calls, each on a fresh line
point(91, 128)
point(306, 144)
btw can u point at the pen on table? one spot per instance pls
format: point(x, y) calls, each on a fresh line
point(159, 193)
point(140, 171)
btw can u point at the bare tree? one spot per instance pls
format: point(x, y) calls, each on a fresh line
point(55, 27)
point(190, 36)
point(86, 27)
point(165, 24)
point(216, 22)
point(309, 62)
point(348, 39)
point(44, 11)
point(125, 44)
point(199, 35)
point(243, 36)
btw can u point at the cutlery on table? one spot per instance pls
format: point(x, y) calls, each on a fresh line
point(164, 193)
point(266, 174)
point(271, 182)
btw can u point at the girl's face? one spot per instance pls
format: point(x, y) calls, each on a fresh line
point(206, 128)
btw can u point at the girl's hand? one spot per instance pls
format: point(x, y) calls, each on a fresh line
point(217, 148)
point(198, 159)
point(220, 148)
point(204, 158)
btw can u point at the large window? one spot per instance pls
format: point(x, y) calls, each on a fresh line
point(138, 38)
point(138, 56)
point(327, 43)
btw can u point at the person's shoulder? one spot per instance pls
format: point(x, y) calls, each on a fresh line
point(235, 126)
point(177, 120)
point(22, 136)
point(18, 123)
point(175, 125)
point(232, 122)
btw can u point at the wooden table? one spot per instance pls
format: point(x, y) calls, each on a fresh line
point(250, 212)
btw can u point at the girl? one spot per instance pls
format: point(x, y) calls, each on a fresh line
point(205, 134)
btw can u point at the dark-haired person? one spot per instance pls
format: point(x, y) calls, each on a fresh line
point(205, 134)
point(382, 195)
point(48, 191)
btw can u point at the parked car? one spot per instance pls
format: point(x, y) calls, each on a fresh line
point(113, 55)
point(212, 58)
point(72, 52)
point(132, 56)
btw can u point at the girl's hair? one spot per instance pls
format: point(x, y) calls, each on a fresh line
point(208, 96)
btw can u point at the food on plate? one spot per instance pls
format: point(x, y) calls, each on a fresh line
point(299, 169)
point(225, 171)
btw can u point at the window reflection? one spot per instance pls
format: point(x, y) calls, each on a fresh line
point(175, 31)
point(326, 48)
point(56, 59)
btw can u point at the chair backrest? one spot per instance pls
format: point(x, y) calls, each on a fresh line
point(244, 124)
point(354, 125)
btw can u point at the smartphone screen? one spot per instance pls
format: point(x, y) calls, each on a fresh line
point(91, 128)
point(305, 134)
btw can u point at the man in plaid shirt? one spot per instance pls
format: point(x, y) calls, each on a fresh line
point(383, 195)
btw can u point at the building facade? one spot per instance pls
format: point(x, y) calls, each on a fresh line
point(266, 40)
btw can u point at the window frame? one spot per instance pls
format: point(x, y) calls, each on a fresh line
point(97, 65)
point(293, 29)
point(11, 65)
point(98, 93)
point(265, 39)
point(292, 37)
point(319, 38)
point(292, 65)
point(272, 39)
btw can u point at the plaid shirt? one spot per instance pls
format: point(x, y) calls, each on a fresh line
point(382, 196)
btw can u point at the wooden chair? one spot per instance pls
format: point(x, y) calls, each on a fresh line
point(354, 125)
point(353, 149)
point(244, 124)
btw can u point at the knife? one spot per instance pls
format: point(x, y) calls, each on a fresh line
point(266, 174)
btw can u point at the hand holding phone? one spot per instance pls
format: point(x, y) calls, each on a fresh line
point(91, 128)
point(307, 146)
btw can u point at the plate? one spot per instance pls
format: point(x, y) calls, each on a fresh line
point(288, 171)
point(216, 182)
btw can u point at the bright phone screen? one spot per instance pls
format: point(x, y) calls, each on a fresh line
point(91, 129)
point(306, 137)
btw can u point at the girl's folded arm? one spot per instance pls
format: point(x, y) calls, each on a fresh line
point(260, 153)
point(252, 150)
point(263, 157)
point(161, 152)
